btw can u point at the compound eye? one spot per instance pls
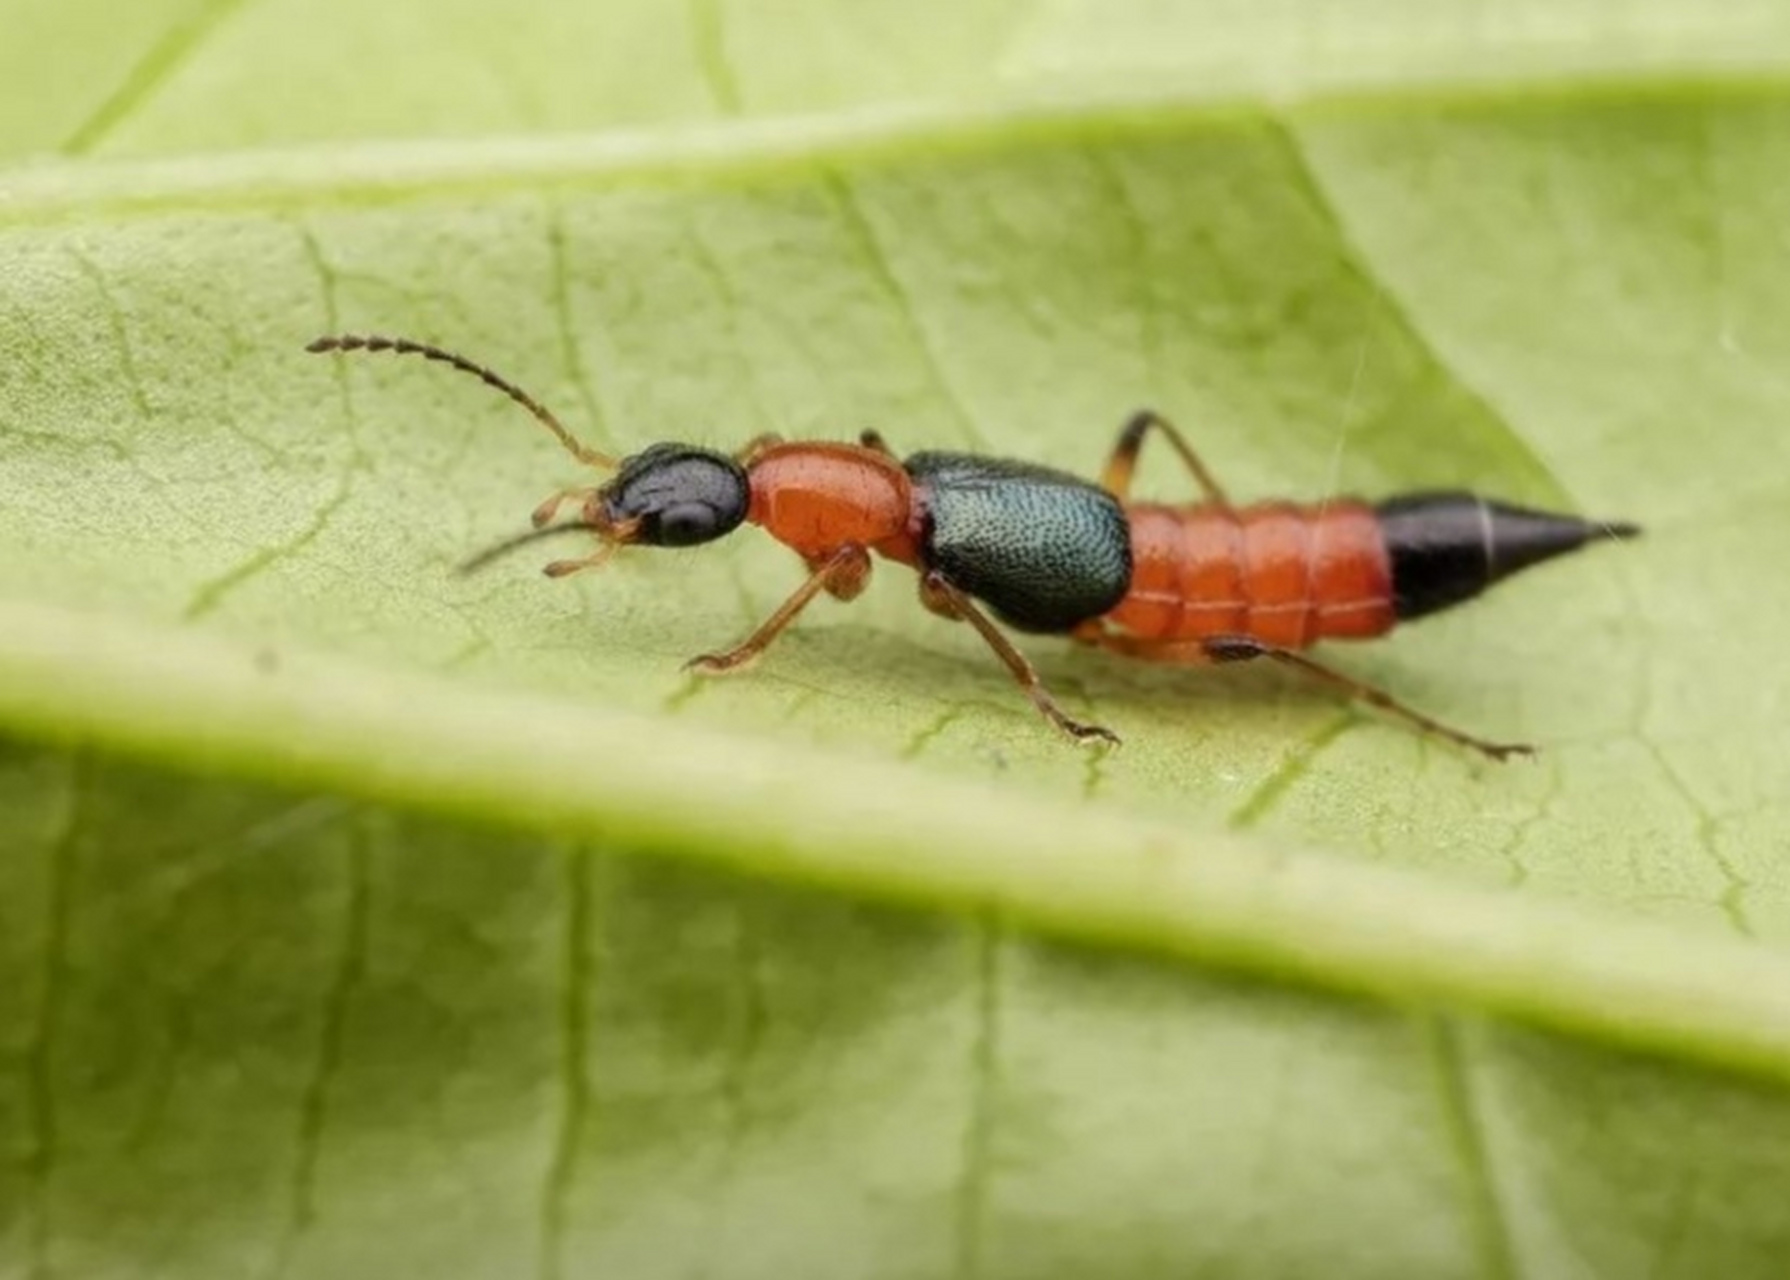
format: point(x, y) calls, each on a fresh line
point(687, 524)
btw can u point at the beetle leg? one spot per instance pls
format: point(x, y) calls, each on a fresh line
point(938, 594)
point(543, 514)
point(843, 574)
point(595, 560)
point(871, 438)
point(1222, 649)
point(842, 584)
point(1243, 648)
point(1116, 479)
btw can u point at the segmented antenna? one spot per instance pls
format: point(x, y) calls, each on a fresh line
point(405, 347)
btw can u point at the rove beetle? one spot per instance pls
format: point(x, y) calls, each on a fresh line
point(1049, 552)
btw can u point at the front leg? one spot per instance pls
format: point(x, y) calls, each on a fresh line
point(843, 573)
point(581, 494)
point(842, 585)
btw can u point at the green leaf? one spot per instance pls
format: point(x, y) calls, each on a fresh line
point(326, 945)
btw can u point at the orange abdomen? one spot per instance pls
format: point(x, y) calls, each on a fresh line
point(815, 498)
point(1283, 574)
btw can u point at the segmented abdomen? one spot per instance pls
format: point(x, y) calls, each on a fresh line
point(1281, 573)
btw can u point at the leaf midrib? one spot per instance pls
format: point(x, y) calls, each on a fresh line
point(746, 151)
point(186, 698)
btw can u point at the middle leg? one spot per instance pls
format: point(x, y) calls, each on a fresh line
point(550, 506)
point(941, 596)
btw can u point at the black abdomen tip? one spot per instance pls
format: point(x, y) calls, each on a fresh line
point(1446, 548)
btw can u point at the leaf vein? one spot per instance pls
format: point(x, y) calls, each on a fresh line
point(708, 31)
point(127, 357)
point(568, 331)
point(144, 80)
point(929, 733)
point(978, 1133)
point(313, 1112)
point(574, 1062)
point(1357, 261)
point(704, 258)
point(40, 1161)
point(1706, 826)
point(1294, 765)
point(209, 595)
point(1466, 1128)
point(750, 1018)
point(1136, 228)
point(864, 235)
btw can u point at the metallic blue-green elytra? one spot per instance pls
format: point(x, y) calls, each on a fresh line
point(1044, 549)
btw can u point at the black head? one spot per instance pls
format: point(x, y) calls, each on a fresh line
point(675, 495)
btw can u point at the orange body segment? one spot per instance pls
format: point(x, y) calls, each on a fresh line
point(1283, 574)
point(815, 498)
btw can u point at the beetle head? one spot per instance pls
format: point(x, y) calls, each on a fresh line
point(671, 495)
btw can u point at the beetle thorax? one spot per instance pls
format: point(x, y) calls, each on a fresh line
point(815, 498)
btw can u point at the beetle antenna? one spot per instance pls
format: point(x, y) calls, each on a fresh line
point(406, 347)
point(497, 550)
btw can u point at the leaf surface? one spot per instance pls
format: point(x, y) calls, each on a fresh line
point(346, 1020)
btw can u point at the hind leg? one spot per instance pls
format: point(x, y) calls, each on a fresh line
point(1116, 478)
point(1213, 650)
